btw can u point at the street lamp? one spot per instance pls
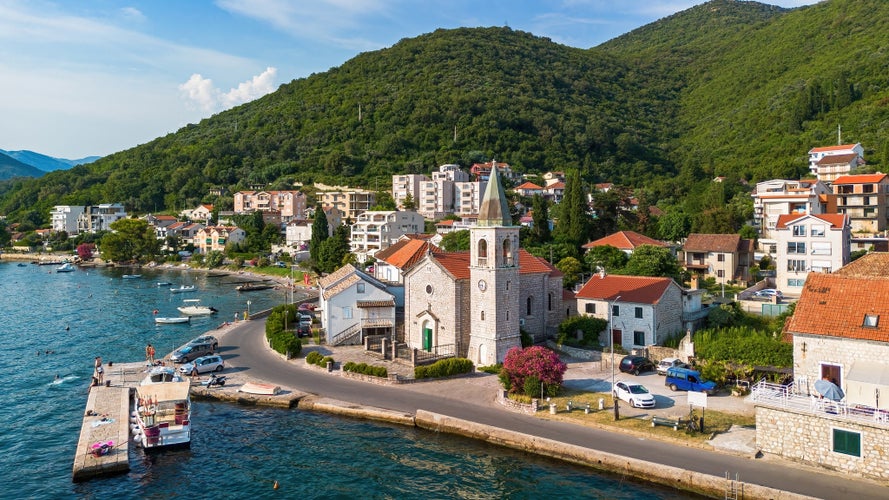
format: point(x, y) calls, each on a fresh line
point(611, 336)
point(248, 309)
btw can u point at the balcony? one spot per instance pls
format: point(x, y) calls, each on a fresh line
point(783, 397)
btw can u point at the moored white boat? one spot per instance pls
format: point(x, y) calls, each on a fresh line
point(162, 415)
point(193, 307)
point(67, 267)
point(183, 289)
point(161, 320)
point(131, 276)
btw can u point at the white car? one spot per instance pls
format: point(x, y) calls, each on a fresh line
point(212, 363)
point(667, 363)
point(635, 394)
point(768, 293)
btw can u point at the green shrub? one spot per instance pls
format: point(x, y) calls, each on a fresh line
point(532, 386)
point(527, 339)
point(589, 327)
point(366, 369)
point(444, 368)
point(492, 369)
point(743, 344)
point(314, 358)
point(505, 381)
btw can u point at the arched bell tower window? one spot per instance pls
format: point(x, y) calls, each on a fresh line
point(528, 307)
point(507, 253)
point(482, 252)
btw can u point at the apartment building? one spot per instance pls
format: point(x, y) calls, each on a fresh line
point(290, 204)
point(829, 162)
point(64, 218)
point(351, 203)
point(865, 199)
point(809, 243)
point(376, 230)
point(777, 197)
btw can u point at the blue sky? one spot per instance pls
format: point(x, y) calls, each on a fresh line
point(92, 77)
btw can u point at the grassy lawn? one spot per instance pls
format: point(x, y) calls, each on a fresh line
point(638, 420)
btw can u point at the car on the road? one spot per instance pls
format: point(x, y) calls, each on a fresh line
point(635, 365)
point(667, 363)
point(205, 339)
point(768, 293)
point(635, 394)
point(191, 351)
point(204, 364)
point(686, 379)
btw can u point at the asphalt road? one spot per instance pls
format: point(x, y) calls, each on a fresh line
point(245, 349)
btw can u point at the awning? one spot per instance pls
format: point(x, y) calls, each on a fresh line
point(870, 373)
point(375, 303)
point(868, 383)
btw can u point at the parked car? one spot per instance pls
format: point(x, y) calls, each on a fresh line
point(306, 306)
point(303, 330)
point(686, 379)
point(667, 363)
point(191, 351)
point(768, 293)
point(635, 394)
point(205, 339)
point(204, 364)
point(635, 365)
point(305, 319)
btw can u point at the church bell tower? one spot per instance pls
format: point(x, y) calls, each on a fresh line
point(494, 278)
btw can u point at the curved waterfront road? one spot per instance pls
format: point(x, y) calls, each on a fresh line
point(245, 349)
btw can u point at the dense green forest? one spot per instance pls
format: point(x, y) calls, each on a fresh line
point(730, 88)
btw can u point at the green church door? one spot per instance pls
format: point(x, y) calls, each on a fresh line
point(427, 339)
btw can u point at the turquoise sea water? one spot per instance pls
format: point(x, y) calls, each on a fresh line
point(237, 451)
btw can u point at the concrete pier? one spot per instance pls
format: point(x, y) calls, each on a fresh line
point(107, 418)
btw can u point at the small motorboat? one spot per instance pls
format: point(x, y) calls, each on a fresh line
point(164, 283)
point(131, 276)
point(183, 289)
point(250, 287)
point(193, 307)
point(67, 267)
point(171, 320)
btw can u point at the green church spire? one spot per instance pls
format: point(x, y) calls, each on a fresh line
point(494, 209)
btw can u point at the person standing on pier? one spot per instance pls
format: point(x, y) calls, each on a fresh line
point(149, 353)
point(99, 370)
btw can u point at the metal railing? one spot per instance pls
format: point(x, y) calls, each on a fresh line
point(783, 397)
point(437, 352)
point(346, 335)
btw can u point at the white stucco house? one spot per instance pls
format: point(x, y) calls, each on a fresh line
point(353, 304)
point(809, 243)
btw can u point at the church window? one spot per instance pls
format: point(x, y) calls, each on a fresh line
point(429, 289)
point(507, 315)
point(549, 301)
point(528, 307)
point(483, 315)
point(482, 252)
point(507, 284)
point(507, 253)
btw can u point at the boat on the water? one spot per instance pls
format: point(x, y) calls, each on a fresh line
point(193, 307)
point(162, 415)
point(250, 287)
point(171, 320)
point(164, 283)
point(67, 267)
point(183, 289)
point(131, 276)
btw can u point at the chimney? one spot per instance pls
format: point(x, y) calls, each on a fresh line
point(694, 281)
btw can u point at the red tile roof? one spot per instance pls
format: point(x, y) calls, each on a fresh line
point(837, 159)
point(635, 289)
point(625, 240)
point(697, 242)
point(835, 305)
point(448, 222)
point(827, 149)
point(859, 179)
point(529, 186)
point(555, 185)
point(405, 253)
point(457, 264)
point(836, 221)
point(875, 264)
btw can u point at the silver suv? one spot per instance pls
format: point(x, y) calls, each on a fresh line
point(191, 351)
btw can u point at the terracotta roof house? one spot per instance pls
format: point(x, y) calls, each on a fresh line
point(392, 261)
point(643, 310)
point(840, 334)
point(808, 243)
point(529, 189)
point(832, 168)
point(725, 257)
point(865, 199)
point(626, 241)
point(352, 305)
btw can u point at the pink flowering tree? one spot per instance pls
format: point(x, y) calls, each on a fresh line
point(85, 250)
point(524, 370)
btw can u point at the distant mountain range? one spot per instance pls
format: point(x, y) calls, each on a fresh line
point(31, 164)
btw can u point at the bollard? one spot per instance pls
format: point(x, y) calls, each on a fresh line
point(586, 409)
point(601, 403)
point(329, 366)
point(552, 409)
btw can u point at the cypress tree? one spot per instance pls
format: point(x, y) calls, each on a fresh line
point(320, 232)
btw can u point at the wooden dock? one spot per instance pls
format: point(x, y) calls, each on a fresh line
point(107, 418)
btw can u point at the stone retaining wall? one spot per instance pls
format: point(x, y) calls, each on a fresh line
point(673, 477)
point(575, 352)
point(504, 400)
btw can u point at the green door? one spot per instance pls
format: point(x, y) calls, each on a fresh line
point(427, 339)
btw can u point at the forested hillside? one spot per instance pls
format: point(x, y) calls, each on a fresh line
point(725, 88)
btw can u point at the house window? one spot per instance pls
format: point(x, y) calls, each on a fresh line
point(638, 312)
point(615, 310)
point(818, 230)
point(796, 247)
point(821, 248)
point(347, 313)
point(590, 308)
point(359, 288)
point(799, 230)
point(720, 273)
point(720, 257)
point(796, 283)
point(847, 442)
point(638, 338)
point(871, 320)
point(796, 265)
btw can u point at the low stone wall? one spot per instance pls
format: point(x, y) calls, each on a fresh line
point(351, 410)
point(808, 438)
point(575, 352)
point(504, 400)
point(673, 477)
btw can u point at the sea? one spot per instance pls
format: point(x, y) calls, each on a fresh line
point(54, 324)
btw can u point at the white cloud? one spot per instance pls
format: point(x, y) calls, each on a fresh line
point(201, 92)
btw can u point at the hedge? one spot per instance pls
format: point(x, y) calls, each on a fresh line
point(316, 358)
point(366, 369)
point(281, 340)
point(444, 368)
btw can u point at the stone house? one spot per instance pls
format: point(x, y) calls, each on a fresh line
point(808, 243)
point(643, 310)
point(352, 305)
point(840, 331)
point(725, 257)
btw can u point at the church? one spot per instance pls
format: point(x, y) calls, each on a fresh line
point(474, 303)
